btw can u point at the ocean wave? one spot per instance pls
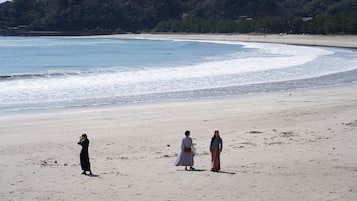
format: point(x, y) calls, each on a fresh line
point(36, 75)
point(53, 104)
point(257, 66)
point(276, 57)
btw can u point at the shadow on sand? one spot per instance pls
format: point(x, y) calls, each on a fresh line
point(92, 175)
point(195, 170)
point(203, 170)
point(225, 172)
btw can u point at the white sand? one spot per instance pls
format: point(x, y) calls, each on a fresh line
point(348, 41)
point(294, 145)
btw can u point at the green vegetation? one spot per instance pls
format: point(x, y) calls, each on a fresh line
point(342, 23)
point(196, 16)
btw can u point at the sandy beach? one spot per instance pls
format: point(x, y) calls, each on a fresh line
point(344, 41)
point(290, 145)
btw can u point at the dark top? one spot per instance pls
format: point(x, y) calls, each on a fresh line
point(85, 145)
point(216, 142)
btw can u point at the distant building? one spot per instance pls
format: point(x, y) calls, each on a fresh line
point(19, 28)
point(185, 16)
point(245, 18)
point(306, 19)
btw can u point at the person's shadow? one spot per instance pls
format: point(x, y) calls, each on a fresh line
point(92, 175)
point(202, 170)
point(224, 172)
point(194, 170)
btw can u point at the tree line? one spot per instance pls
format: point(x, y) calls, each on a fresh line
point(342, 23)
point(199, 16)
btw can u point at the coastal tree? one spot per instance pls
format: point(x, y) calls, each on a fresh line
point(203, 16)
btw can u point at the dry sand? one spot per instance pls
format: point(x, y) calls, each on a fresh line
point(346, 41)
point(292, 145)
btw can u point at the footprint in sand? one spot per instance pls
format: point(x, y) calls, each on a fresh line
point(352, 123)
point(287, 134)
point(275, 143)
point(49, 163)
point(249, 144)
point(255, 132)
point(167, 156)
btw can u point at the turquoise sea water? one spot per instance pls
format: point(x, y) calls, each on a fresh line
point(38, 73)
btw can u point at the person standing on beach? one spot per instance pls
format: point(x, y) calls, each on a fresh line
point(84, 156)
point(216, 149)
point(186, 156)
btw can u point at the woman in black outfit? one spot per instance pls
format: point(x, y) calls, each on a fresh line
point(84, 142)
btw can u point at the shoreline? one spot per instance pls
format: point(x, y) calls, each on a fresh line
point(341, 41)
point(115, 106)
point(214, 93)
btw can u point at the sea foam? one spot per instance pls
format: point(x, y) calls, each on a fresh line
point(257, 63)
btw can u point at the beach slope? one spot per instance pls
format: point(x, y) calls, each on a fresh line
point(293, 145)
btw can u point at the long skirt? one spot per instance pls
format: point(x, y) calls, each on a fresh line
point(185, 159)
point(215, 162)
point(85, 164)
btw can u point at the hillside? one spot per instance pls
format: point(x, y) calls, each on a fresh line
point(222, 16)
